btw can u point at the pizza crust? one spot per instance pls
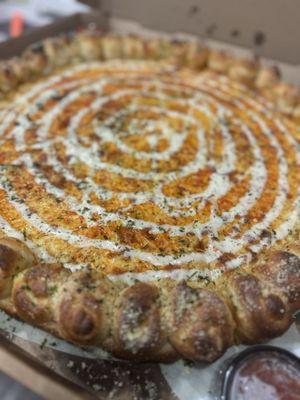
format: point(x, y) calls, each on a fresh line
point(155, 321)
point(160, 320)
point(43, 57)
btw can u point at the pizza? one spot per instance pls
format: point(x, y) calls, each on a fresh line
point(149, 196)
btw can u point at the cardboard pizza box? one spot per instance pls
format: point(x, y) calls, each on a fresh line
point(269, 29)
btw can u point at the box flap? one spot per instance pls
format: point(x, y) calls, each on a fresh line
point(269, 28)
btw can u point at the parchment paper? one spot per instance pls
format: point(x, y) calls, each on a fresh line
point(110, 378)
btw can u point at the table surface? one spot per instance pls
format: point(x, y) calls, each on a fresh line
point(11, 390)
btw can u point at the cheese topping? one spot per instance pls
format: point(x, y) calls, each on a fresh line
point(138, 169)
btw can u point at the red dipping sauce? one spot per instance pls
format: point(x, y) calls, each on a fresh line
point(264, 374)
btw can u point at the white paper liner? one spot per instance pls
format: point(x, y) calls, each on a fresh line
point(187, 382)
point(191, 383)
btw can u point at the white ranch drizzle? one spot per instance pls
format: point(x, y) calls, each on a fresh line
point(74, 149)
point(174, 229)
point(128, 277)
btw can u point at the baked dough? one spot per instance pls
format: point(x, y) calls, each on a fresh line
point(149, 196)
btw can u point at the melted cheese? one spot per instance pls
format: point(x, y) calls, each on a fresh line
point(220, 101)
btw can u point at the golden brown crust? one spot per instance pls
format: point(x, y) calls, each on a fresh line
point(196, 56)
point(244, 71)
point(267, 77)
point(282, 269)
point(32, 292)
point(88, 45)
point(219, 61)
point(189, 54)
point(157, 48)
point(8, 79)
point(287, 97)
point(111, 47)
point(296, 113)
point(132, 47)
point(260, 311)
point(137, 321)
point(14, 258)
point(41, 58)
point(80, 309)
point(155, 321)
point(202, 324)
point(35, 58)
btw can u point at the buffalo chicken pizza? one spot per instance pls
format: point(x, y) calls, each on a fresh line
point(149, 196)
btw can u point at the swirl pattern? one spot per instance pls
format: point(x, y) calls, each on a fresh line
point(141, 169)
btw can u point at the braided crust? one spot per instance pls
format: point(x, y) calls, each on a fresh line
point(158, 320)
point(41, 58)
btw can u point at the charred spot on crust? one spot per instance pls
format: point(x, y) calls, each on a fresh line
point(259, 311)
point(39, 279)
point(282, 269)
point(138, 320)
point(206, 346)
point(203, 327)
point(78, 321)
point(28, 308)
point(82, 323)
point(38, 48)
point(275, 306)
point(80, 310)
